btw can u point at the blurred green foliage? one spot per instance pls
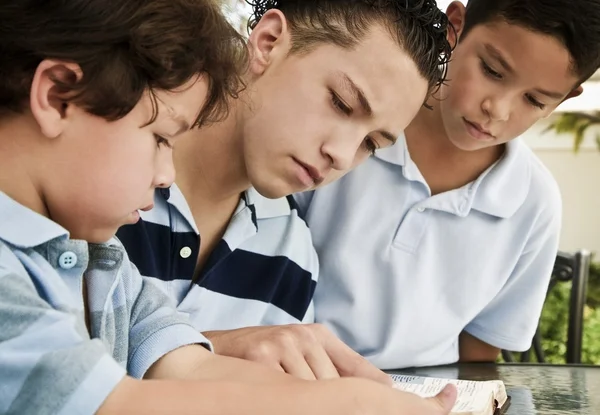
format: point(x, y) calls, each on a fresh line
point(553, 324)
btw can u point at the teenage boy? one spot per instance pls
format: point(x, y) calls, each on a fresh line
point(329, 82)
point(441, 248)
point(93, 94)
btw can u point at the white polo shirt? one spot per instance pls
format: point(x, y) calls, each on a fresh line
point(403, 272)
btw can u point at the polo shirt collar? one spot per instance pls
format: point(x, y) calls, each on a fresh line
point(175, 198)
point(24, 228)
point(251, 208)
point(503, 190)
point(267, 208)
point(500, 191)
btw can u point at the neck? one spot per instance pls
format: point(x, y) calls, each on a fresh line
point(210, 163)
point(19, 145)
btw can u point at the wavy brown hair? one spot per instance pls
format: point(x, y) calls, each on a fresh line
point(124, 48)
point(418, 26)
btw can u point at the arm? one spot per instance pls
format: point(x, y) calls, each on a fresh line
point(308, 351)
point(333, 397)
point(471, 349)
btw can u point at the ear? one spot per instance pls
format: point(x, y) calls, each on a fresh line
point(268, 39)
point(574, 93)
point(47, 99)
point(456, 17)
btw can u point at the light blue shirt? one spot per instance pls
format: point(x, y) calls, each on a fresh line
point(49, 361)
point(403, 273)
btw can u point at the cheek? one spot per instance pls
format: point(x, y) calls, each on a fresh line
point(466, 88)
point(332, 177)
point(520, 121)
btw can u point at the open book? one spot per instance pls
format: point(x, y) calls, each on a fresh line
point(474, 397)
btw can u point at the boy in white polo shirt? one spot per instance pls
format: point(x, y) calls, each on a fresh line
point(440, 248)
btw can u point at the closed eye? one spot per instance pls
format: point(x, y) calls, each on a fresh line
point(338, 104)
point(160, 140)
point(487, 69)
point(370, 145)
point(534, 102)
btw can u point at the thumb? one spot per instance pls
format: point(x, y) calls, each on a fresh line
point(446, 398)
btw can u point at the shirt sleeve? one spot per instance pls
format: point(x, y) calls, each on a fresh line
point(156, 327)
point(48, 363)
point(510, 320)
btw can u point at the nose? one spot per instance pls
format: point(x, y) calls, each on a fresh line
point(165, 169)
point(497, 108)
point(341, 150)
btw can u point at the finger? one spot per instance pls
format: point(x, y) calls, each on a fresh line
point(265, 359)
point(347, 362)
point(294, 364)
point(319, 362)
point(446, 398)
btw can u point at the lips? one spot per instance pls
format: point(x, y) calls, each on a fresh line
point(313, 172)
point(477, 131)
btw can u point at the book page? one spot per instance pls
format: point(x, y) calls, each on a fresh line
point(473, 396)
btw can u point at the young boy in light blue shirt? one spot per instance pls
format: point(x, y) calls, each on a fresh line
point(441, 248)
point(93, 95)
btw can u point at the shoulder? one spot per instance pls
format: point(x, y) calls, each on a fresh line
point(544, 194)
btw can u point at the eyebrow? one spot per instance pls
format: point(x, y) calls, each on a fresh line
point(359, 95)
point(183, 124)
point(496, 54)
point(550, 94)
point(181, 121)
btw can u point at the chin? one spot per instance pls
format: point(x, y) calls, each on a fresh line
point(97, 237)
point(270, 192)
point(272, 189)
point(465, 145)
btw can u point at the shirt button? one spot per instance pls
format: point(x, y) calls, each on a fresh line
point(420, 209)
point(185, 252)
point(67, 260)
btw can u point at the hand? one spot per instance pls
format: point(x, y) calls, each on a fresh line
point(307, 351)
point(358, 396)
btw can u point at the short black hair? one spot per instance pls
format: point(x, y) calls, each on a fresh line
point(419, 27)
point(575, 23)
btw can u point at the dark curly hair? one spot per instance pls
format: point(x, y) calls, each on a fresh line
point(419, 26)
point(124, 48)
point(575, 23)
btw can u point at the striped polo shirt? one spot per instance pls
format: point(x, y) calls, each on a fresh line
point(262, 272)
point(50, 363)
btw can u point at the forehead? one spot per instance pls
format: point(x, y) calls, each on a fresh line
point(177, 109)
point(380, 67)
point(537, 59)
